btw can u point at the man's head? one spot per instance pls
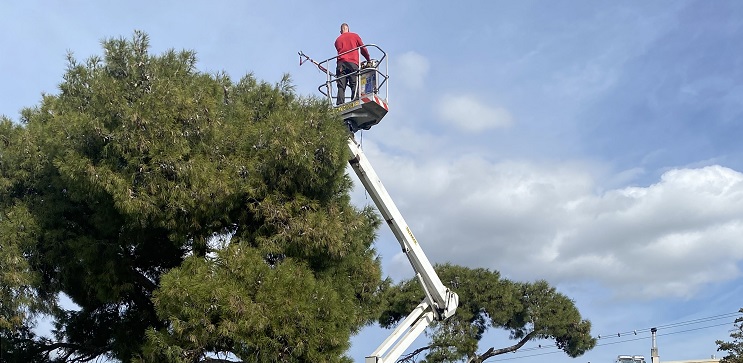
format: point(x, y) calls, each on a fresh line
point(344, 28)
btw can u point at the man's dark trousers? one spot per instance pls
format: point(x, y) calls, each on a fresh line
point(346, 73)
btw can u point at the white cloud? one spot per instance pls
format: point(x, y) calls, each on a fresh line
point(470, 114)
point(411, 68)
point(534, 221)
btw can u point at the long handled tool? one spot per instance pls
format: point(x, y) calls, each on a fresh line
point(303, 58)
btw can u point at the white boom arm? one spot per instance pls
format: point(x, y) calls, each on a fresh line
point(440, 302)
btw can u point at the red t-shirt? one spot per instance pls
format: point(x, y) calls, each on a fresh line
point(346, 42)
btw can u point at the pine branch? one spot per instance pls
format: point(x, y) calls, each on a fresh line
point(71, 349)
point(410, 357)
point(493, 352)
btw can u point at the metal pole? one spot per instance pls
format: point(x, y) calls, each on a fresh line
point(654, 357)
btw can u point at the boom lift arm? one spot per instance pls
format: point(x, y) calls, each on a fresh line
point(440, 302)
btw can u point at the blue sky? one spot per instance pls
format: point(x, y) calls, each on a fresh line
point(594, 144)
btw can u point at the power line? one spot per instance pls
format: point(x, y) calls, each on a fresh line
point(670, 325)
point(688, 330)
point(634, 333)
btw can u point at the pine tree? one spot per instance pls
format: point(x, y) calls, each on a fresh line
point(528, 311)
point(184, 214)
point(734, 348)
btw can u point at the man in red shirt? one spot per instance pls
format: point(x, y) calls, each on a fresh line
point(348, 63)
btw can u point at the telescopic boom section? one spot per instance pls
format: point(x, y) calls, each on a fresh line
point(371, 106)
point(440, 302)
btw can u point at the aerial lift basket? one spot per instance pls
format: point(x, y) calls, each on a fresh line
point(371, 103)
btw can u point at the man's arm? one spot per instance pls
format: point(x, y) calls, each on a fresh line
point(364, 52)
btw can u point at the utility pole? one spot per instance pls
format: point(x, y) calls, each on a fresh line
point(654, 357)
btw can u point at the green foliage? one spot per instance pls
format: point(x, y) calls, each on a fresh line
point(20, 301)
point(115, 191)
point(18, 345)
point(734, 348)
point(526, 310)
point(17, 280)
point(281, 313)
point(16, 230)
